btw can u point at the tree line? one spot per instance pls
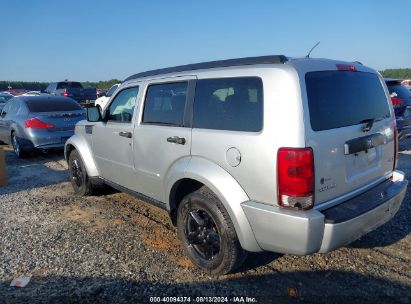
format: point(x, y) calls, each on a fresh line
point(39, 86)
point(397, 73)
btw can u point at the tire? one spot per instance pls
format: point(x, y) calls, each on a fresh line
point(78, 175)
point(207, 233)
point(18, 150)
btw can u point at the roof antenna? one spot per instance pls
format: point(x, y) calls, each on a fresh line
point(308, 55)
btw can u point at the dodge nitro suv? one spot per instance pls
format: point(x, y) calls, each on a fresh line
point(263, 153)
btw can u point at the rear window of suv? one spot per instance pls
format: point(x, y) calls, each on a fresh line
point(344, 98)
point(69, 85)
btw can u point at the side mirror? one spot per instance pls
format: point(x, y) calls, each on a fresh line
point(3, 114)
point(93, 114)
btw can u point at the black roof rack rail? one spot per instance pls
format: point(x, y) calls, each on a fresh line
point(271, 59)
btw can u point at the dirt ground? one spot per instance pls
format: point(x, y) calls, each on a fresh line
point(114, 248)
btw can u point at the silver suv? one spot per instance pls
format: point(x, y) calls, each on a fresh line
point(266, 153)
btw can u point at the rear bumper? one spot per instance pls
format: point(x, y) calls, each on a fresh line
point(304, 232)
point(28, 145)
point(44, 139)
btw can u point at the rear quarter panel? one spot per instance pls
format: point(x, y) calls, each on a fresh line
point(282, 127)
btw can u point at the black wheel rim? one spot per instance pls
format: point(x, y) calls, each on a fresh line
point(16, 146)
point(202, 234)
point(76, 173)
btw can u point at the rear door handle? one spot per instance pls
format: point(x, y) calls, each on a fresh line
point(125, 134)
point(177, 140)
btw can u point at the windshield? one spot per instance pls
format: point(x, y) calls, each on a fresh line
point(344, 98)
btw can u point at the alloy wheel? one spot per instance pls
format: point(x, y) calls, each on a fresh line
point(77, 173)
point(202, 234)
point(16, 145)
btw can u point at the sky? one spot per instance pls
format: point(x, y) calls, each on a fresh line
point(52, 40)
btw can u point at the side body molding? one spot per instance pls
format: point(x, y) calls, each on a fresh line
point(78, 142)
point(223, 185)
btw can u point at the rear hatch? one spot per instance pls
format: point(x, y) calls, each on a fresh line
point(350, 128)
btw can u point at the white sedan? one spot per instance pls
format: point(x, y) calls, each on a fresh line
point(101, 102)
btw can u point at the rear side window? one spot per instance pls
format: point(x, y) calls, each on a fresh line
point(165, 104)
point(50, 105)
point(14, 107)
point(22, 110)
point(343, 98)
point(399, 91)
point(234, 104)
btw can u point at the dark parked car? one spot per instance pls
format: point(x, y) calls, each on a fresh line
point(38, 122)
point(401, 101)
point(72, 89)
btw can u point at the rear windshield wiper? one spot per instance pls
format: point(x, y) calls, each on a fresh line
point(368, 124)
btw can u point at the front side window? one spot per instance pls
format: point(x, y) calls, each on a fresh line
point(234, 104)
point(165, 104)
point(122, 107)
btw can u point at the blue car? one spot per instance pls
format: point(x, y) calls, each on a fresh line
point(401, 101)
point(38, 122)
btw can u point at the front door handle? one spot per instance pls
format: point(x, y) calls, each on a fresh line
point(125, 134)
point(177, 140)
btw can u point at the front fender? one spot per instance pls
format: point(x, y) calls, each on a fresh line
point(224, 186)
point(78, 142)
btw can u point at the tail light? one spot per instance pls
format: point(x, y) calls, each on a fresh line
point(65, 93)
point(34, 123)
point(395, 147)
point(396, 102)
point(295, 178)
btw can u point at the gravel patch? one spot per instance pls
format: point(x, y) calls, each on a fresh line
point(116, 248)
